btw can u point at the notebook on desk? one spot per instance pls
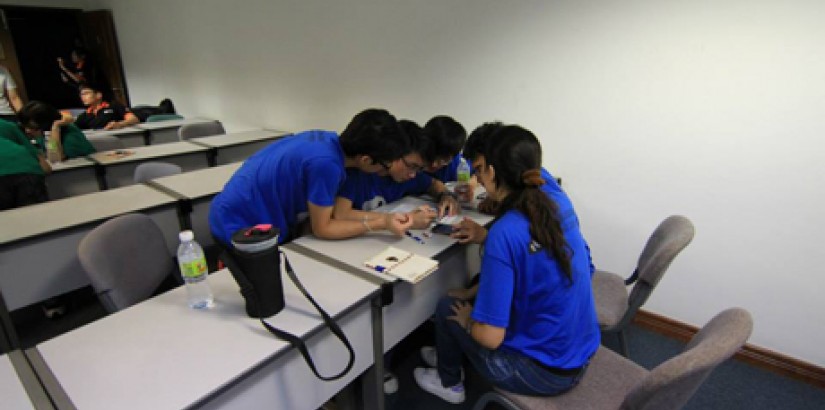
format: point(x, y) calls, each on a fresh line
point(404, 265)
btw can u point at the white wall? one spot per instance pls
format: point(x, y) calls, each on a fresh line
point(711, 109)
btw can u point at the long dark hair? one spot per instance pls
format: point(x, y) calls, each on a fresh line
point(515, 154)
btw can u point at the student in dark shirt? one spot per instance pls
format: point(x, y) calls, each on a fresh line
point(102, 114)
point(37, 118)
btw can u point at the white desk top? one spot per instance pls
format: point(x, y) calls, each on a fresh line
point(71, 164)
point(160, 354)
point(148, 152)
point(28, 221)
point(200, 183)
point(160, 125)
point(353, 252)
point(236, 138)
point(13, 393)
point(115, 133)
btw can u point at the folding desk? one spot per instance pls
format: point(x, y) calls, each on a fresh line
point(38, 243)
point(19, 387)
point(194, 191)
point(161, 132)
point(131, 136)
point(160, 354)
point(72, 177)
point(119, 171)
point(238, 146)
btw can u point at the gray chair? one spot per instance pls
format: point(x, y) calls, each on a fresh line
point(151, 170)
point(614, 382)
point(616, 308)
point(200, 129)
point(105, 142)
point(126, 260)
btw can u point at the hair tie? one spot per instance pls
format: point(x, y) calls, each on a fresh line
point(532, 178)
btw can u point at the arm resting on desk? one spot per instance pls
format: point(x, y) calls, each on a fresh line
point(325, 227)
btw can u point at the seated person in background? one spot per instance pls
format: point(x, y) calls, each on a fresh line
point(22, 169)
point(467, 231)
point(446, 138)
point(37, 118)
point(363, 192)
point(298, 176)
point(533, 328)
point(101, 114)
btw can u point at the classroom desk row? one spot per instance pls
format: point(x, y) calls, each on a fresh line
point(148, 133)
point(19, 386)
point(166, 355)
point(105, 170)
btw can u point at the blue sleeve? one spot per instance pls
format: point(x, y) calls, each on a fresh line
point(496, 285)
point(418, 185)
point(349, 189)
point(322, 179)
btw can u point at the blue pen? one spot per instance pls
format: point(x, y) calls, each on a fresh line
point(417, 239)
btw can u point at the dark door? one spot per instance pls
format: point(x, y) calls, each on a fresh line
point(98, 29)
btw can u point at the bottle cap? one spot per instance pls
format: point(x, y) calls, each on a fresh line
point(186, 236)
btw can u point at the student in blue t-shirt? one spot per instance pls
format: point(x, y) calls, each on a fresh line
point(446, 137)
point(363, 192)
point(532, 329)
point(298, 176)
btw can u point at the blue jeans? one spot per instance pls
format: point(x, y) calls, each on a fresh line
point(509, 370)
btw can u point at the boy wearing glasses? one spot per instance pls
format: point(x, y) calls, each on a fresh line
point(297, 177)
point(362, 193)
point(446, 138)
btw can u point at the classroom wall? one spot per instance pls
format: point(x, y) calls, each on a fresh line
point(645, 108)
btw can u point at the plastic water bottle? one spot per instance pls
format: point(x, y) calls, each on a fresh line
point(462, 187)
point(51, 149)
point(193, 268)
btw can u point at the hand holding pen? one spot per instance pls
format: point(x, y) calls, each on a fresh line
point(422, 217)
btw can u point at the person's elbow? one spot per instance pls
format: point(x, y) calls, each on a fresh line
point(489, 337)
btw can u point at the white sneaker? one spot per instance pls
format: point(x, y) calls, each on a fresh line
point(429, 356)
point(390, 383)
point(430, 382)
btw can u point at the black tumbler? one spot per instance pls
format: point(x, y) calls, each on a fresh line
point(255, 263)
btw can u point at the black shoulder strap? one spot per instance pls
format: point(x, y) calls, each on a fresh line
point(293, 340)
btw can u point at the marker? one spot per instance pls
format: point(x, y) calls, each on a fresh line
point(417, 239)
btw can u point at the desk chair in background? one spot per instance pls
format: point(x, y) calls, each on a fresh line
point(614, 382)
point(126, 259)
point(105, 142)
point(201, 129)
point(150, 170)
point(163, 117)
point(614, 307)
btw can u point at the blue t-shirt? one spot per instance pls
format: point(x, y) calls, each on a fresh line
point(524, 290)
point(449, 172)
point(369, 191)
point(567, 215)
point(274, 185)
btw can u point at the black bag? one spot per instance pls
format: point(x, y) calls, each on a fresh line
point(255, 263)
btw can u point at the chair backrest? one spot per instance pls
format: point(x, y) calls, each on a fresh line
point(671, 384)
point(151, 170)
point(105, 142)
point(126, 259)
point(163, 117)
point(667, 241)
point(200, 129)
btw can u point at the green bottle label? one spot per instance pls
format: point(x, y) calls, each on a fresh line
point(193, 269)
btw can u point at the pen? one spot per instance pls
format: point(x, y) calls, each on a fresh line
point(417, 239)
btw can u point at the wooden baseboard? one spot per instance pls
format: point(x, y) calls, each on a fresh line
point(754, 355)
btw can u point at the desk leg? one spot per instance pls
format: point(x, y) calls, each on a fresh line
point(373, 379)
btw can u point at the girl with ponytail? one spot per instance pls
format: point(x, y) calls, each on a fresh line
point(533, 327)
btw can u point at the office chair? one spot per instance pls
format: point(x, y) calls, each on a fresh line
point(201, 129)
point(614, 307)
point(614, 382)
point(163, 117)
point(151, 170)
point(126, 260)
point(105, 142)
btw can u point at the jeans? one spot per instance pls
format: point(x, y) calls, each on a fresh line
point(506, 369)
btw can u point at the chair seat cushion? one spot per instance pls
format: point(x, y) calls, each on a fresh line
point(610, 295)
point(605, 384)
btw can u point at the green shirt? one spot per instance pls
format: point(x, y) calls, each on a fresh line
point(17, 154)
point(74, 142)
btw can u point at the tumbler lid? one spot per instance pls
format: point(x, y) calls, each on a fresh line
point(256, 238)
